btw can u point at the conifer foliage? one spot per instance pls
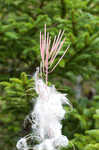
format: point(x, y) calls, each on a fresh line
point(20, 25)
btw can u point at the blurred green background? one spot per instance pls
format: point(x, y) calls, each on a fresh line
point(77, 74)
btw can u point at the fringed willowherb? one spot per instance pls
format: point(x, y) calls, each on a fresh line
point(48, 110)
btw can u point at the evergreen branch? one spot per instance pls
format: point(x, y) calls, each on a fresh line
point(75, 55)
point(74, 24)
point(63, 9)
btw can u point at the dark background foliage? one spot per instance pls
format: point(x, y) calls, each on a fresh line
point(77, 74)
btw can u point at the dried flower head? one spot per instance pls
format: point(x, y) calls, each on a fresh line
point(49, 52)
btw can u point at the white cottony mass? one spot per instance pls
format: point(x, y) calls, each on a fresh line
point(46, 119)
